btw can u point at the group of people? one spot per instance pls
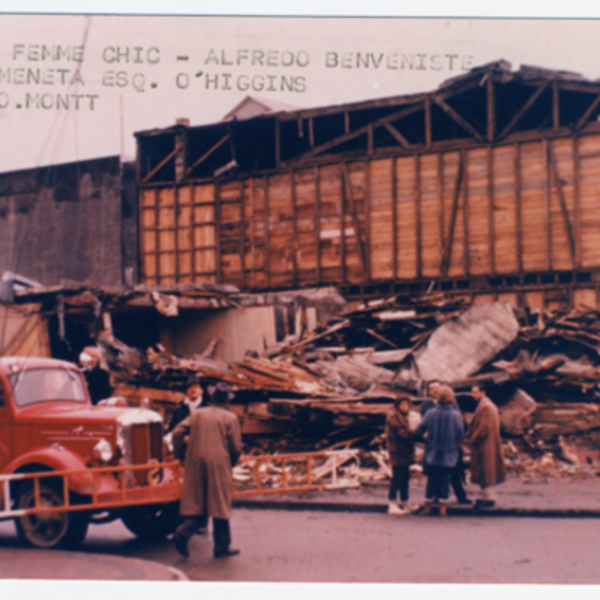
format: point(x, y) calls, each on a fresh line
point(442, 430)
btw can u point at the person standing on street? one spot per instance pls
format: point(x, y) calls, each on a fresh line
point(192, 401)
point(401, 450)
point(457, 476)
point(444, 428)
point(214, 447)
point(487, 462)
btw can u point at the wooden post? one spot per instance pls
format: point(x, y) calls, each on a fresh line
point(491, 221)
point(218, 233)
point(346, 122)
point(267, 235)
point(277, 143)
point(428, 122)
point(318, 221)
point(466, 245)
point(156, 234)
point(311, 133)
point(176, 232)
point(576, 201)
point(192, 231)
point(253, 231)
point(242, 234)
point(440, 157)
point(294, 226)
point(491, 108)
point(367, 167)
point(555, 106)
point(547, 214)
point(418, 214)
point(394, 220)
point(343, 226)
point(518, 217)
point(370, 140)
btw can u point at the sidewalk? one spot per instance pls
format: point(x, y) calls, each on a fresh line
point(517, 497)
point(29, 563)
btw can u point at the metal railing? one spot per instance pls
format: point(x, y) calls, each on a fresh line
point(124, 495)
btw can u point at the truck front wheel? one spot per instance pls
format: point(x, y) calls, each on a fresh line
point(49, 529)
point(153, 522)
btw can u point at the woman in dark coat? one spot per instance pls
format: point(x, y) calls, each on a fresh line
point(443, 427)
point(401, 449)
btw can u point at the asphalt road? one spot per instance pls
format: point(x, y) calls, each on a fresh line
point(307, 546)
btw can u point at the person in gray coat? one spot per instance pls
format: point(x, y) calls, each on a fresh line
point(214, 447)
point(442, 427)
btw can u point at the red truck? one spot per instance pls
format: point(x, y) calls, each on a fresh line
point(65, 463)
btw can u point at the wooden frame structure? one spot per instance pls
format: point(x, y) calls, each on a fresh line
point(488, 184)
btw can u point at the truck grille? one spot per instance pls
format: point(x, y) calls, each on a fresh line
point(146, 445)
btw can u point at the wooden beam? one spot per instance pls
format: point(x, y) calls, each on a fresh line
point(588, 113)
point(466, 245)
point(491, 109)
point(157, 235)
point(517, 117)
point(397, 136)
point(277, 143)
point(518, 212)
point(176, 232)
point(343, 227)
point(364, 130)
point(162, 163)
point(208, 153)
point(300, 127)
point(450, 239)
point(428, 122)
point(311, 133)
point(440, 158)
point(192, 230)
point(346, 122)
point(318, 221)
point(491, 220)
point(370, 144)
point(555, 106)
point(563, 202)
point(458, 118)
point(349, 194)
point(253, 230)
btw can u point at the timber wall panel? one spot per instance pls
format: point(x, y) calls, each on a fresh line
point(505, 223)
point(342, 222)
point(381, 218)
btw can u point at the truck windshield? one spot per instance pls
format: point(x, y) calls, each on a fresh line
point(45, 385)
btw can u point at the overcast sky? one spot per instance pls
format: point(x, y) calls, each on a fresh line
point(139, 73)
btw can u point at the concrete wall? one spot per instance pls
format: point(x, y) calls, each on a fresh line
point(65, 222)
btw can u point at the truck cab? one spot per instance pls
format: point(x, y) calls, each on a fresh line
point(49, 425)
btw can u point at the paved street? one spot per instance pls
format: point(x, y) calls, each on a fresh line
point(314, 546)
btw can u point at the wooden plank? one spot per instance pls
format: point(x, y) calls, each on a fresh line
point(277, 143)
point(518, 217)
point(466, 256)
point(311, 133)
point(343, 227)
point(517, 117)
point(253, 232)
point(441, 198)
point(218, 266)
point(450, 240)
point(350, 195)
point(346, 122)
point(370, 140)
point(191, 232)
point(458, 118)
point(157, 236)
point(176, 202)
point(208, 153)
point(490, 189)
point(563, 202)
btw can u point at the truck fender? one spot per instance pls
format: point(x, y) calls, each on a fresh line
point(57, 459)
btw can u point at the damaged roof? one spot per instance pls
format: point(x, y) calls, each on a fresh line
point(489, 104)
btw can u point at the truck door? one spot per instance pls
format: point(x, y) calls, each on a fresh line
point(5, 428)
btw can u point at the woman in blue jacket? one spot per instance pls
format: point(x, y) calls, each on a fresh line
point(442, 428)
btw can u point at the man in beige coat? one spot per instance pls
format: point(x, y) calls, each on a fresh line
point(214, 446)
point(487, 462)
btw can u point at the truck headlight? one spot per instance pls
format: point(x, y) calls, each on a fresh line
point(103, 451)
